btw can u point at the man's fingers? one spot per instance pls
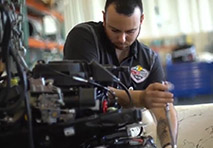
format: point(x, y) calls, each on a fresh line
point(159, 102)
point(158, 86)
point(158, 105)
point(164, 101)
point(160, 94)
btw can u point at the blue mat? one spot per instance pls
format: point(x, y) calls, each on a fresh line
point(190, 79)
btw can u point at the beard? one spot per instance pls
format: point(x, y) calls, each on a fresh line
point(122, 46)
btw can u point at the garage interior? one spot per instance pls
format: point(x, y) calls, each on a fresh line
point(180, 32)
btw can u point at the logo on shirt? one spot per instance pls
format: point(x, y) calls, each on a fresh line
point(139, 74)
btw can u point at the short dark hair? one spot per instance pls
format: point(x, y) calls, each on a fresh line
point(125, 7)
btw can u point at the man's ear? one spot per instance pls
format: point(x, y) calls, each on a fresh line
point(104, 18)
point(142, 18)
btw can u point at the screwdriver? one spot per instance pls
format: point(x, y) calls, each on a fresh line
point(167, 109)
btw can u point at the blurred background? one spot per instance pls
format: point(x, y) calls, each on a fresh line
point(180, 31)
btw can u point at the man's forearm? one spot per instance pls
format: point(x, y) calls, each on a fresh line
point(160, 113)
point(163, 131)
point(123, 98)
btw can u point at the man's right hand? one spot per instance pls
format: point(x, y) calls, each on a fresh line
point(156, 95)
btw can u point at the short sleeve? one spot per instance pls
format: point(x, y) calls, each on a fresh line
point(80, 44)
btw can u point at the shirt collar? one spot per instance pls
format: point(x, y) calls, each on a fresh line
point(133, 49)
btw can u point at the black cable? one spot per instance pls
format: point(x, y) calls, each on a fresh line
point(80, 79)
point(7, 51)
point(23, 77)
point(115, 79)
point(126, 90)
point(5, 48)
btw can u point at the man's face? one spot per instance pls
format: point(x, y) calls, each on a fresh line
point(122, 30)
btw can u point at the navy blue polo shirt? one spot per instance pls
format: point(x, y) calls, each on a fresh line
point(88, 41)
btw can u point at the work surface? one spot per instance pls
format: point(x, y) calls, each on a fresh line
point(195, 126)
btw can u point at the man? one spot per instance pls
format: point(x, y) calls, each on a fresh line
point(115, 42)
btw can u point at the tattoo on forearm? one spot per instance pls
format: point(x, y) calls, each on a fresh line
point(162, 129)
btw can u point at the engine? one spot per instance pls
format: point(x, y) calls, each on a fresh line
point(60, 103)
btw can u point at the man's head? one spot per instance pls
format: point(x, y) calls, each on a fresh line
point(122, 21)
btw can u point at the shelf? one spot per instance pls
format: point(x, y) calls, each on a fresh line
point(37, 7)
point(44, 45)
